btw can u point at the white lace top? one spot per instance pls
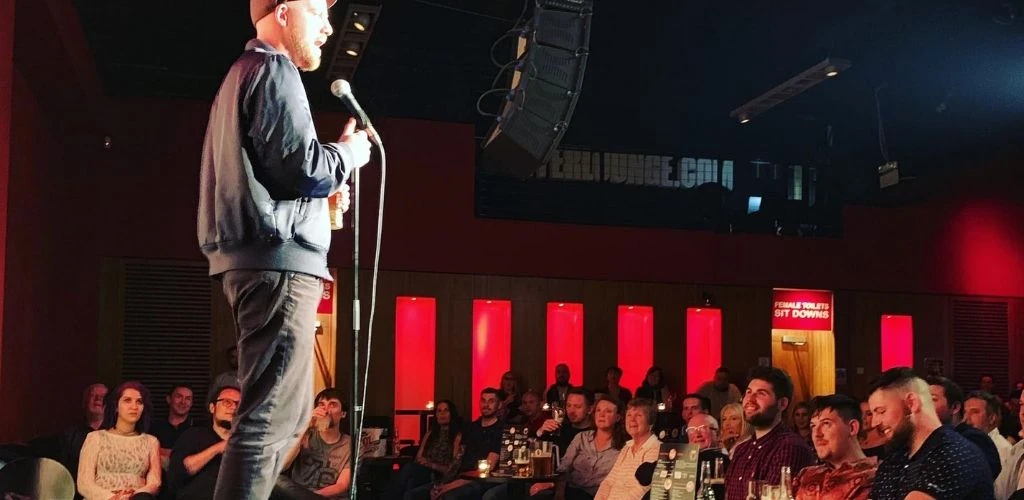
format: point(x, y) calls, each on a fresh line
point(110, 462)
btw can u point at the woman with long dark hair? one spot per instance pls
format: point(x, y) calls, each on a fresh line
point(655, 389)
point(436, 453)
point(120, 461)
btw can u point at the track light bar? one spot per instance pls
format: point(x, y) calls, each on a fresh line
point(790, 88)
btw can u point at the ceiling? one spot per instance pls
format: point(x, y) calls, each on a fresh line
point(662, 76)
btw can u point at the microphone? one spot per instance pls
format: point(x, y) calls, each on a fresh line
point(342, 90)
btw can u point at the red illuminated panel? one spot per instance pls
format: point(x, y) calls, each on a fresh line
point(492, 345)
point(415, 330)
point(897, 341)
point(636, 344)
point(565, 340)
point(703, 345)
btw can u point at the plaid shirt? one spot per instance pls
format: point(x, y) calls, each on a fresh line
point(762, 459)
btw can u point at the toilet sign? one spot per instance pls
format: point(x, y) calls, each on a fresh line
point(802, 309)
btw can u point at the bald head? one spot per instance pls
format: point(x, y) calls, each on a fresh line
point(702, 430)
point(296, 28)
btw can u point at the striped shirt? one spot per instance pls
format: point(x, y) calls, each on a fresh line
point(621, 483)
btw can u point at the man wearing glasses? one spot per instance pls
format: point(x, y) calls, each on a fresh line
point(195, 458)
point(702, 430)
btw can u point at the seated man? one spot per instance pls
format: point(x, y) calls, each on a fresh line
point(481, 441)
point(845, 471)
point(73, 437)
point(321, 465)
point(195, 458)
point(531, 411)
point(702, 430)
point(167, 431)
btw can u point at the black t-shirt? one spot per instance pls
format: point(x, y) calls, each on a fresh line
point(479, 442)
point(201, 485)
point(564, 437)
point(946, 467)
point(168, 435)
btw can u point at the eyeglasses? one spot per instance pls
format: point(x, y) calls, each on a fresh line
point(229, 403)
point(700, 428)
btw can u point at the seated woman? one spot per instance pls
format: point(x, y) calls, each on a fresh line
point(654, 388)
point(435, 455)
point(512, 385)
point(591, 454)
point(802, 421)
point(120, 461)
point(735, 429)
point(621, 482)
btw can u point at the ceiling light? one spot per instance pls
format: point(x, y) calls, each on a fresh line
point(353, 49)
point(831, 73)
point(360, 21)
point(744, 119)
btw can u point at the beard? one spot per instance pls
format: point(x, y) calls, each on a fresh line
point(902, 434)
point(305, 55)
point(224, 424)
point(764, 418)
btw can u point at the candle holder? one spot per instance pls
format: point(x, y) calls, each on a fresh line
point(484, 467)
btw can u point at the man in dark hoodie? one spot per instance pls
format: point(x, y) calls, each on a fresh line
point(264, 227)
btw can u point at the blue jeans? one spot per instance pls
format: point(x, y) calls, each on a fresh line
point(275, 314)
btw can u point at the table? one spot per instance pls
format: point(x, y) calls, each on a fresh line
point(518, 487)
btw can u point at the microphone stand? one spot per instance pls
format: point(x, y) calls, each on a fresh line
point(356, 415)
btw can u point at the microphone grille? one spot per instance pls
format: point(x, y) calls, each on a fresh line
point(341, 88)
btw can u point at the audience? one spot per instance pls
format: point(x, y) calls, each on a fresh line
point(1011, 479)
point(612, 378)
point(480, 440)
point(735, 429)
point(560, 389)
point(1009, 424)
point(986, 384)
point(926, 459)
point(195, 459)
point(578, 406)
point(512, 386)
point(435, 455)
point(654, 388)
point(321, 462)
point(702, 430)
point(773, 445)
point(228, 378)
point(720, 391)
point(802, 420)
point(982, 411)
point(588, 459)
point(948, 401)
point(845, 472)
point(167, 431)
point(621, 483)
point(120, 461)
point(73, 437)
point(694, 404)
point(531, 412)
point(872, 441)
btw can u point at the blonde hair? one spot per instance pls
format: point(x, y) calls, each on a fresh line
point(746, 430)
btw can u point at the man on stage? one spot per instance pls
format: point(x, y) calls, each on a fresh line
point(264, 227)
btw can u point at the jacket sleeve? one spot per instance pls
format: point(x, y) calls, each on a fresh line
point(288, 159)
